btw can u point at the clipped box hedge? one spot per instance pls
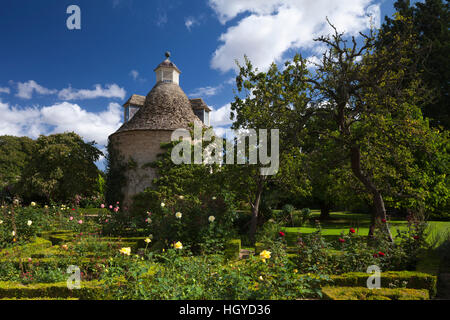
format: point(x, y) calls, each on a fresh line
point(414, 280)
point(360, 293)
point(89, 290)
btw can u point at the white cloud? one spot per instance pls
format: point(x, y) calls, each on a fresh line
point(189, 22)
point(25, 89)
point(221, 116)
point(206, 91)
point(59, 118)
point(110, 91)
point(20, 122)
point(312, 62)
point(134, 74)
point(5, 90)
point(272, 27)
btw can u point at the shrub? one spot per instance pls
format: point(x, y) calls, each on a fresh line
point(359, 293)
point(409, 279)
point(183, 276)
point(89, 290)
point(205, 222)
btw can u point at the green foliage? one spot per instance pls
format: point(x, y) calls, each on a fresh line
point(15, 153)
point(194, 226)
point(88, 291)
point(429, 53)
point(62, 166)
point(181, 276)
point(115, 175)
point(389, 279)
point(361, 293)
point(232, 249)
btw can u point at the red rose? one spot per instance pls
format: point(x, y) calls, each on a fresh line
point(375, 255)
point(383, 220)
point(381, 254)
point(281, 233)
point(341, 240)
point(416, 237)
point(352, 230)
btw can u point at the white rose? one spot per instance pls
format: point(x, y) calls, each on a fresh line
point(29, 222)
point(178, 215)
point(211, 218)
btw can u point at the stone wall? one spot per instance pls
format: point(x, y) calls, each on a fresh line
point(139, 147)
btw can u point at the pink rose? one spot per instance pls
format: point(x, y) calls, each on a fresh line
point(110, 206)
point(102, 206)
point(80, 221)
point(71, 218)
point(116, 209)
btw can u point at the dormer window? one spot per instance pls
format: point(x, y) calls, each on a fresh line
point(201, 110)
point(131, 107)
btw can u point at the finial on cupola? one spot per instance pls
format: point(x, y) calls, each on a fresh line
point(167, 54)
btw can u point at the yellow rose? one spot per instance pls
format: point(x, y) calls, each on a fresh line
point(148, 240)
point(265, 254)
point(126, 251)
point(178, 245)
point(33, 204)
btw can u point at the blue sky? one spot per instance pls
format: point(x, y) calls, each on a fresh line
point(53, 79)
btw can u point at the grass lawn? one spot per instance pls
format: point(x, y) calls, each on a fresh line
point(342, 221)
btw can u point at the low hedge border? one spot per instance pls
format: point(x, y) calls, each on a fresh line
point(89, 290)
point(414, 280)
point(360, 293)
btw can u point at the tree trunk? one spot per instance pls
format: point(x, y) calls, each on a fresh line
point(379, 212)
point(255, 212)
point(324, 211)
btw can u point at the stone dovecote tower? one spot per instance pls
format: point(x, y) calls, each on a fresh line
point(150, 121)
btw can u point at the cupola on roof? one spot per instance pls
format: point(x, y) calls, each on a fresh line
point(167, 71)
point(166, 106)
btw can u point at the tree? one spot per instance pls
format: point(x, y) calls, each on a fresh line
point(62, 166)
point(431, 22)
point(370, 108)
point(15, 153)
point(267, 100)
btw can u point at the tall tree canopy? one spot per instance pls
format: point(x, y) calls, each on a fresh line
point(267, 100)
point(62, 166)
point(15, 153)
point(362, 108)
point(430, 23)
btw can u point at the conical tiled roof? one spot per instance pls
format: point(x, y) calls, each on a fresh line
point(166, 107)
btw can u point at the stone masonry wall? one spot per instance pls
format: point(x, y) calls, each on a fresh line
point(142, 147)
